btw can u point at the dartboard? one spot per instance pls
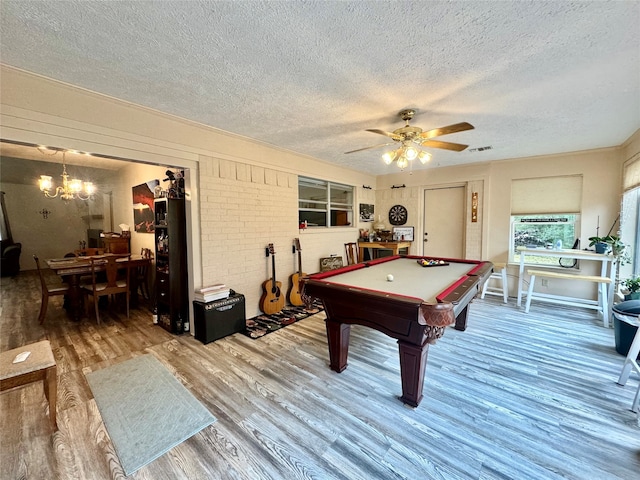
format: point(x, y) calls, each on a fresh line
point(398, 215)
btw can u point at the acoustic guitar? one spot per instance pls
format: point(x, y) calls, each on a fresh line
point(272, 300)
point(294, 280)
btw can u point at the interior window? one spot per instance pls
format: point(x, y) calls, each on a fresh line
point(542, 231)
point(324, 204)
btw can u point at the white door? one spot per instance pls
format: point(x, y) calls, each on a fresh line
point(444, 213)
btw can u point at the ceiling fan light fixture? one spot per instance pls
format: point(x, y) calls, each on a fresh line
point(410, 153)
point(402, 162)
point(424, 157)
point(389, 157)
point(410, 138)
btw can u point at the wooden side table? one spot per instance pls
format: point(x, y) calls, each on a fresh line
point(117, 245)
point(39, 365)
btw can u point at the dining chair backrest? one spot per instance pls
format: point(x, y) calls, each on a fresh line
point(47, 291)
point(114, 284)
point(142, 273)
point(43, 284)
point(112, 266)
point(351, 250)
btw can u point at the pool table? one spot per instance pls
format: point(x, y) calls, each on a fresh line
point(401, 298)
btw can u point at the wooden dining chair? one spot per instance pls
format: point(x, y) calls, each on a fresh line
point(47, 291)
point(114, 284)
point(142, 274)
point(351, 250)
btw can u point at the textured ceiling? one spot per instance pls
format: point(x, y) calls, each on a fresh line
point(533, 77)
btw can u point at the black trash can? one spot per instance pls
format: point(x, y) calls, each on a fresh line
point(623, 330)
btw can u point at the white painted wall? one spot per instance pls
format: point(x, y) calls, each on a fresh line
point(243, 194)
point(50, 237)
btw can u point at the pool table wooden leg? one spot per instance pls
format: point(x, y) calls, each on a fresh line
point(413, 362)
point(461, 319)
point(338, 339)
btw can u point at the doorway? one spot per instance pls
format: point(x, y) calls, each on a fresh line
point(444, 221)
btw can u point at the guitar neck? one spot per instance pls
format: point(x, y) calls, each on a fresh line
point(273, 270)
point(296, 244)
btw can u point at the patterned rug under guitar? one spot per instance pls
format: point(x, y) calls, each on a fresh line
point(263, 324)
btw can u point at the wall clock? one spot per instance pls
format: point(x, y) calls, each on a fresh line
point(397, 215)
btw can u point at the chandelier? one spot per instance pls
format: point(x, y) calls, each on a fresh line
point(70, 189)
point(405, 154)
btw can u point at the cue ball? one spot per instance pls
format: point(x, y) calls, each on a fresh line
point(389, 278)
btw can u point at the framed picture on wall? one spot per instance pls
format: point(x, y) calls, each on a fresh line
point(403, 233)
point(366, 212)
point(143, 215)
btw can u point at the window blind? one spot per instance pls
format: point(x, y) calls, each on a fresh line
point(561, 194)
point(631, 175)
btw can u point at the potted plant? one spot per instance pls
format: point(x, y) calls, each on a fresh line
point(631, 288)
point(600, 243)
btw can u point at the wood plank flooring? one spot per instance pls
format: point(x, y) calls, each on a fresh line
point(516, 396)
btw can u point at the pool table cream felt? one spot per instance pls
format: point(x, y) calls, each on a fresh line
point(409, 278)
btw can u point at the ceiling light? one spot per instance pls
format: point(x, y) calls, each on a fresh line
point(410, 153)
point(405, 154)
point(70, 189)
point(424, 157)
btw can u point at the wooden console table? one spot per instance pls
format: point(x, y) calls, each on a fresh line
point(607, 265)
point(393, 246)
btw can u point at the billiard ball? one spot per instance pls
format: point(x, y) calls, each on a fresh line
point(389, 278)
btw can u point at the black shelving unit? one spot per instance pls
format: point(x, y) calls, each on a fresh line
point(172, 297)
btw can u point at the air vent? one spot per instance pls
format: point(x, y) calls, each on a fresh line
point(480, 149)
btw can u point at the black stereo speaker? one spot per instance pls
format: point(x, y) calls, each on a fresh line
point(217, 319)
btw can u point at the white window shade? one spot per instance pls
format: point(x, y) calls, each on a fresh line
point(546, 195)
point(631, 177)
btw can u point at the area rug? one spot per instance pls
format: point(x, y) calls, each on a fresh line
point(145, 409)
point(263, 324)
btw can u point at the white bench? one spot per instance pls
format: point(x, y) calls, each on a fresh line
point(602, 304)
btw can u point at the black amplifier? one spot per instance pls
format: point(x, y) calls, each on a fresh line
point(217, 319)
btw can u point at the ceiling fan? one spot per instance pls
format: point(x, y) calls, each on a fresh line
point(411, 138)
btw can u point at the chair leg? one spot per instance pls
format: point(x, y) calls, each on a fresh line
point(631, 363)
point(505, 285)
point(144, 288)
point(43, 309)
point(95, 305)
point(532, 281)
point(484, 288)
point(636, 401)
point(604, 303)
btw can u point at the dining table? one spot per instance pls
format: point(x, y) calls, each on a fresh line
point(72, 269)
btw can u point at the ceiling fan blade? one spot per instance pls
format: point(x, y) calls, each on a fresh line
point(369, 148)
point(457, 147)
point(437, 132)
point(388, 134)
